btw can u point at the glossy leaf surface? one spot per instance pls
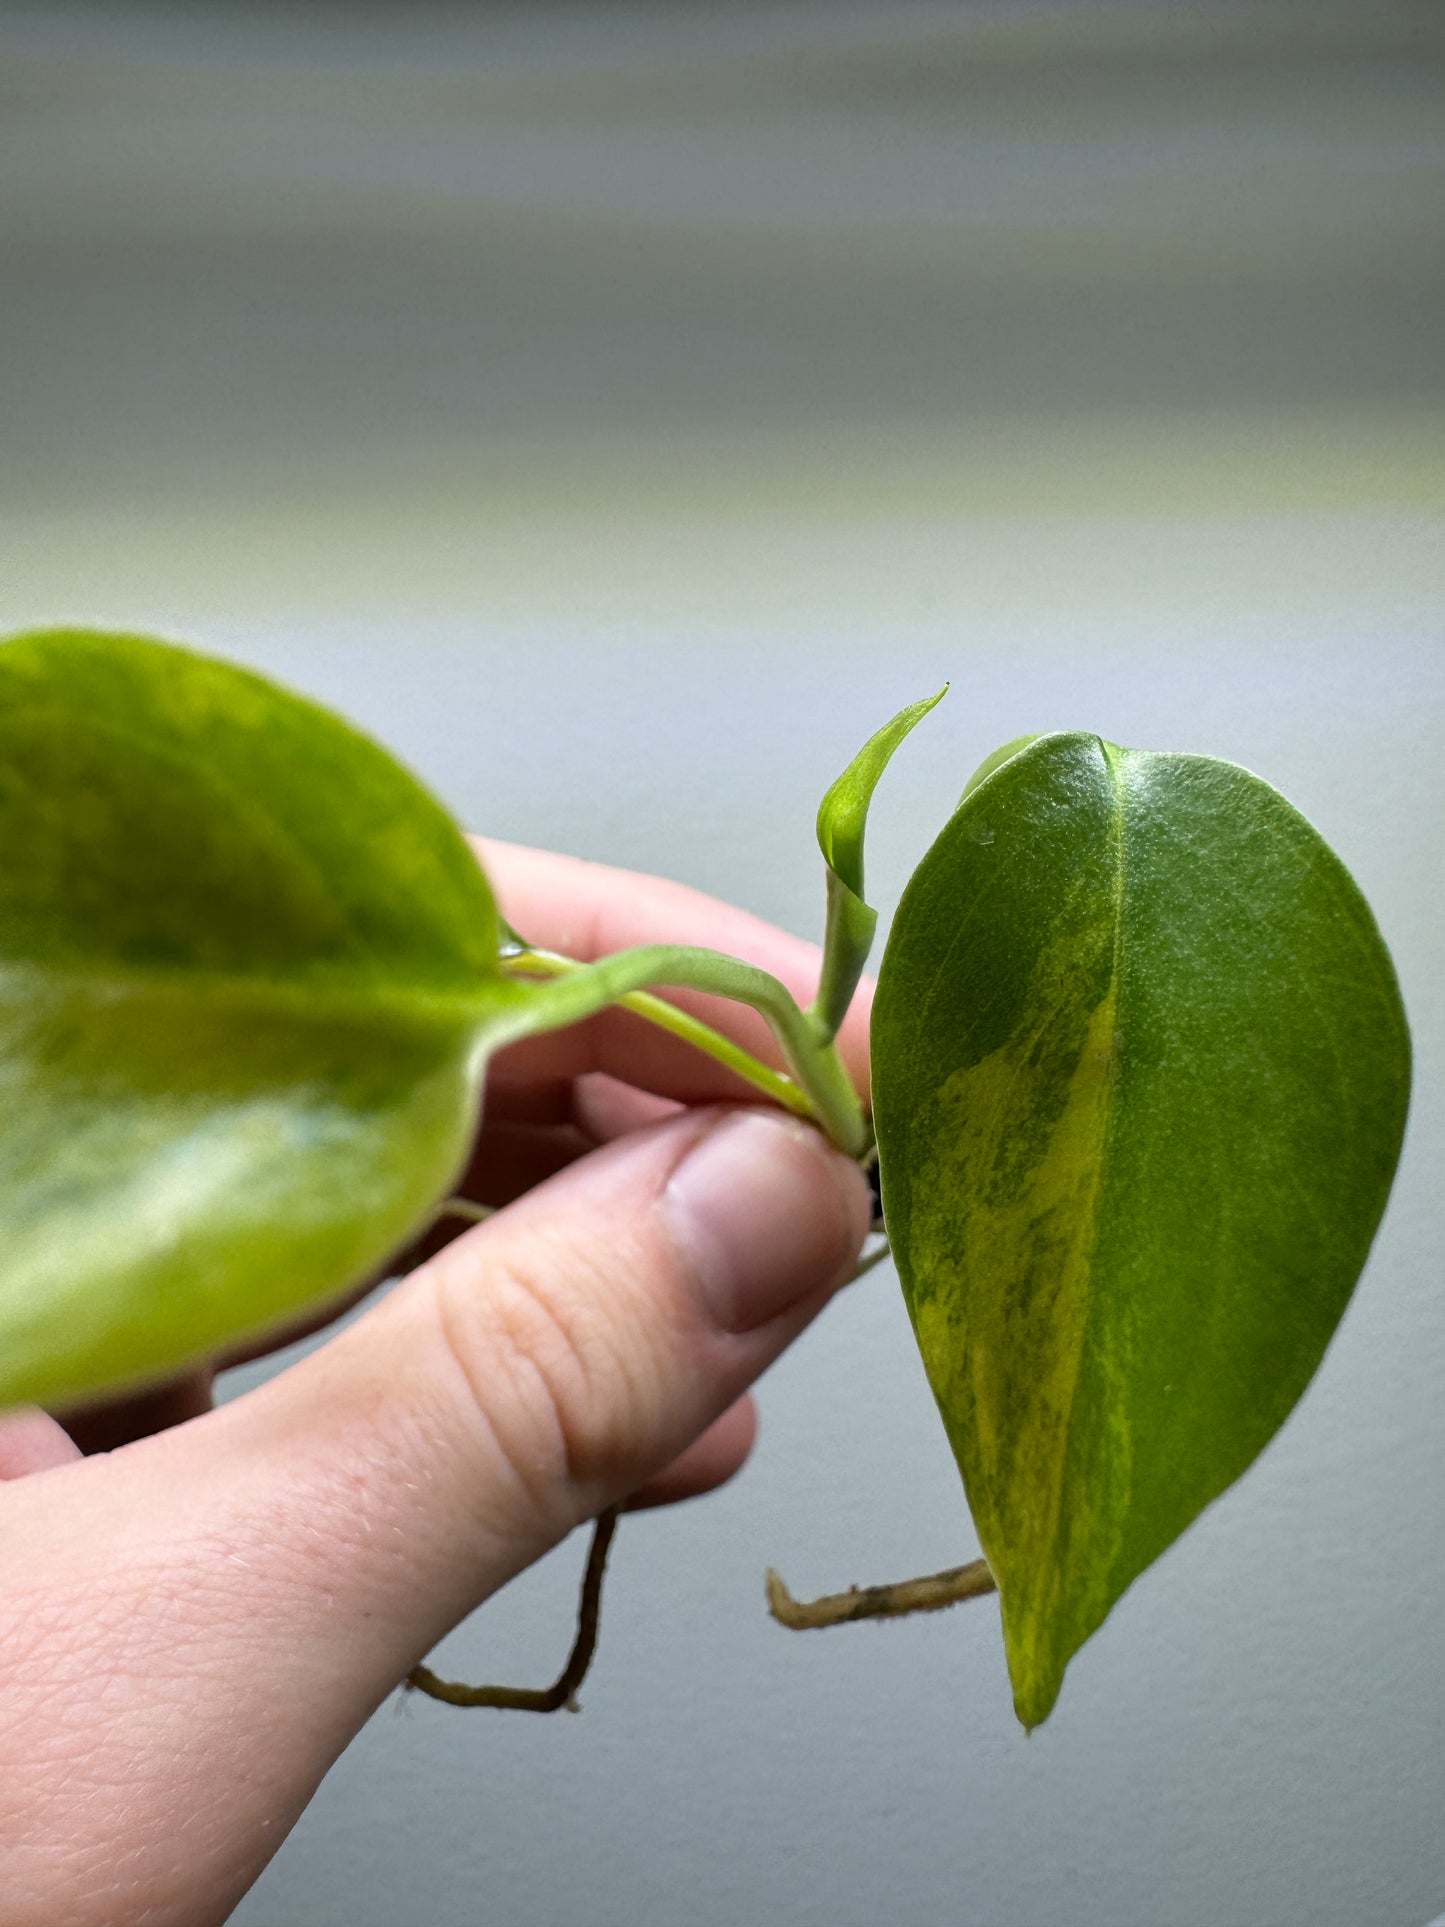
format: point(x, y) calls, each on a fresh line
point(1140, 1072)
point(248, 973)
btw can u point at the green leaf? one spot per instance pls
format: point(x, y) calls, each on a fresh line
point(842, 822)
point(1140, 1074)
point(990, 763)
point(248, 980)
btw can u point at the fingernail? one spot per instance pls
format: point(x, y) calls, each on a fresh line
point(767, 1214)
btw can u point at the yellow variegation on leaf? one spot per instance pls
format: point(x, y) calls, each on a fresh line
point(1140, 1072)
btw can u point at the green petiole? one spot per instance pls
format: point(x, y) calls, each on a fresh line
point(818, 1086)
point(656, 1010)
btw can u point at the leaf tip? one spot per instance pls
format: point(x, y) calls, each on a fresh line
point(1035, 1699)
point(843, 812)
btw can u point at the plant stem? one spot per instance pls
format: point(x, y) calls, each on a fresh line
point(865, 1265)
point(562, 1692)
point(692, 1030)
point(815, 1065)
point(928, 1595)
point(467, 1209)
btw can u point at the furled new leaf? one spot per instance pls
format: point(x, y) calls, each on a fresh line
point(1140, 1072)
point(248, 976)
point(842, 822)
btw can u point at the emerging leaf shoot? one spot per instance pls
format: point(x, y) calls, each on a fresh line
point(842, 821)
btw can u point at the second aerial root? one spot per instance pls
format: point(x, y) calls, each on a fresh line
point(927, 1595)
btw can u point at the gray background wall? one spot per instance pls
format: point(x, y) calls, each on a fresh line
point(622, 412)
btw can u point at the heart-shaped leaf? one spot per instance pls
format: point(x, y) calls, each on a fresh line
point(1140, 1073)
point(248, 980)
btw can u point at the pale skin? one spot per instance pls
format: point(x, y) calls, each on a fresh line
point(194, 1623)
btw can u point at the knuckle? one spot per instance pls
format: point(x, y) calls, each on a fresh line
point(550, 1367)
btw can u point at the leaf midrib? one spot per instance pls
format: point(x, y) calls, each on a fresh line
point(1096, 1190)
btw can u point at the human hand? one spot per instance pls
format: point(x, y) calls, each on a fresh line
point(195, 1624)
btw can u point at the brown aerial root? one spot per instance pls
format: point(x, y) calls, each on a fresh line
point(927, 1595)
point(562, 1693)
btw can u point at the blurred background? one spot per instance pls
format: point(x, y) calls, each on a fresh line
point(622, 411)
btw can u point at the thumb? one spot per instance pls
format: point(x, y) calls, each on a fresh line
point(557, 1357)
point(252, 1583)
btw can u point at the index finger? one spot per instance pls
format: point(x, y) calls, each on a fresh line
point(587, 910)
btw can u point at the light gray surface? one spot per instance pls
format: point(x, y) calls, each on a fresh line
point(621, 413)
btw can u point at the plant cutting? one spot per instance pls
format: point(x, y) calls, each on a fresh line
point(1139, 1066)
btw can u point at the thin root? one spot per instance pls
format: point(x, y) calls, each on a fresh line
point(562, 1693)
